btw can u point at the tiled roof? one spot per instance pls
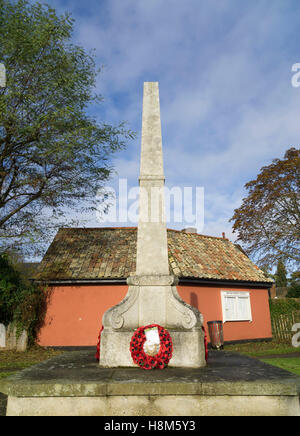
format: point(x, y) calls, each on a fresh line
point(110, 253)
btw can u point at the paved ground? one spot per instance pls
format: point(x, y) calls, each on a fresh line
point(76, 369)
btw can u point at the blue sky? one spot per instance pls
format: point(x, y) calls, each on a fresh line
point(224, 70)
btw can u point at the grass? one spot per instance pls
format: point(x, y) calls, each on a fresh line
point(261, 350)
point(5, 374)
point(291, 364)
point(258, 349)
point(13, 361)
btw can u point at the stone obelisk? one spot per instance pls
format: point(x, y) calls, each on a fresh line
point(152, 296)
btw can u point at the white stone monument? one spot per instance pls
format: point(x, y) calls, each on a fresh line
point(2, 76)
point(152, 296)
point(11, 337)
point(22, 341)
point(2, 336)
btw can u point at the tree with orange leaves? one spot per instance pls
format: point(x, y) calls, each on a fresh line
point(268, 221)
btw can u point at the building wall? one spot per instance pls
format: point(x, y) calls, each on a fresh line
point(74, 314)
point(208, 301)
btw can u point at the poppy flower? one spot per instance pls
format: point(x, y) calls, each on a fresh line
point(144, 361)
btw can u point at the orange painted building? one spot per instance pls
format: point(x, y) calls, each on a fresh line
point(86, 270)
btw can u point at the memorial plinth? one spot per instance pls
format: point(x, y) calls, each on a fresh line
point(152, 296)
point(72, 384)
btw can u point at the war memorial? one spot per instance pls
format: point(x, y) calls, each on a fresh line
point(152, 326)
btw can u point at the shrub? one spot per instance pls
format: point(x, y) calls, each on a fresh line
point(21, 302)
point(284, 306)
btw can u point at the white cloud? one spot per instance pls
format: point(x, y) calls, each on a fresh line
point(224, 68)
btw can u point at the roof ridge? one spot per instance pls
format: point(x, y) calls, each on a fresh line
point(135, 228)
point(98, 228)
point(198, 234)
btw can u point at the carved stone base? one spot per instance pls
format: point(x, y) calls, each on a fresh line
point(153, 300)
point(188, 349)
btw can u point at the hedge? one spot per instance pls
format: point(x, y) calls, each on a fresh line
point(284, 306)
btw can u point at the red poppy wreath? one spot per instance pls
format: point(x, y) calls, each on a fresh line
point(151, 347)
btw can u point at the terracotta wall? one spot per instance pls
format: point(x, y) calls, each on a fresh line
point(208, 301)
point(75, 313)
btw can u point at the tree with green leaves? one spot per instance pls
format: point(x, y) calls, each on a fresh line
point(53, 155)
point(280, 275)
point(294, 285)
point(268, 221)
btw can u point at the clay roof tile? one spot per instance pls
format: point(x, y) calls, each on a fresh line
point(99, 253)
